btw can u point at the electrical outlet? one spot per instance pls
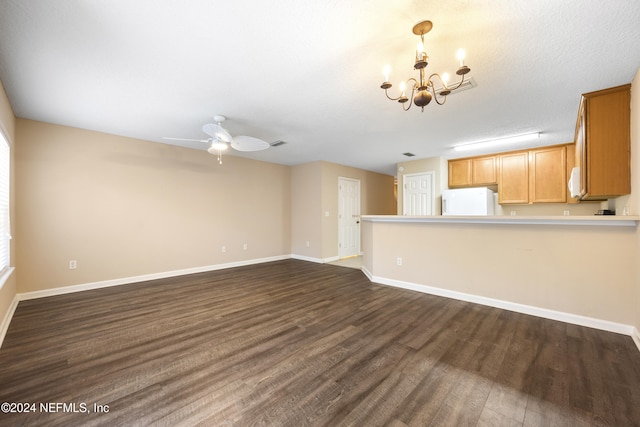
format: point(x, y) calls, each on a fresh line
point(398, 261)
point(73, 264)
point(224, 249)
point(308, 243)
point(566, 213)
point(244, 247)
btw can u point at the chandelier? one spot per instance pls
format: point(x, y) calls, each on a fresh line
point(422, 90)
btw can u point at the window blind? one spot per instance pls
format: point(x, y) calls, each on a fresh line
point(5, 230)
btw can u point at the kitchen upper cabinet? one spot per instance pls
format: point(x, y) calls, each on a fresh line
point(533, 176)
point(548, 175)
point(513, 180)
point(472, 172)
point(459, 173)
point(603, 143)
point(483, 170)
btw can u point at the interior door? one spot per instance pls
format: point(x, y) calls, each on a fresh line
point(419, 194)
point(348, 217)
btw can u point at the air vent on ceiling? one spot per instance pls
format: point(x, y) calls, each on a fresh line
point(277, 143)
point(467, 84)
point(408, 154)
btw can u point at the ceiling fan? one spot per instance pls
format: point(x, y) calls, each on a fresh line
point(220, 139)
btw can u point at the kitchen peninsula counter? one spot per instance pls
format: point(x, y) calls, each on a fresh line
point(577, 269)
point(599, 220)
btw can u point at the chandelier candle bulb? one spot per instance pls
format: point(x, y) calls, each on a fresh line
point(420, 54)
point(386, 71)
point(402, 98)
point(461, 54)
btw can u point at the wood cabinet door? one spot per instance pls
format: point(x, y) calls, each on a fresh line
point(607, 144)
point(459, 173)
point(547, 175)
point(483, 171)
point(513, 178)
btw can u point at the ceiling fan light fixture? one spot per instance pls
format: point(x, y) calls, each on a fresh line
point(421, 90)
point(220, 139)
point(218, 146)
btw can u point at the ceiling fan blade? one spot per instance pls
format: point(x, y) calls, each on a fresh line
point(248, 143)
point(216, 131)
point(186, 139)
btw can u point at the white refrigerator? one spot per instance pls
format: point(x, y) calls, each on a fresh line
point(478, 201)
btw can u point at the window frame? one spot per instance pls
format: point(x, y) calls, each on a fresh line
point(5, 204)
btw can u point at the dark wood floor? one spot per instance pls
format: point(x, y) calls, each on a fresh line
point(294, 343)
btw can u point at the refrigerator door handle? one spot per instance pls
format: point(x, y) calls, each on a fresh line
point(444, 206)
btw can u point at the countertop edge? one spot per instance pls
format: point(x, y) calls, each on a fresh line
point(596, 220)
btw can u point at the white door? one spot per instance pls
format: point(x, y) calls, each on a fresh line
point(348, 217)
point(419, 191)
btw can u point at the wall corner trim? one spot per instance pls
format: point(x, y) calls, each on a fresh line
point(4, 326)
point(636, 337)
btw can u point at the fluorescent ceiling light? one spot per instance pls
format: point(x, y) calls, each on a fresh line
point(499, 141)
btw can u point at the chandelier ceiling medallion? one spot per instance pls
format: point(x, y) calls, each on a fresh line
point(422, 90)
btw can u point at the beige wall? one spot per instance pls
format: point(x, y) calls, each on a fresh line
point(306, 214)
point(315, 205)
point(7, 126)
point(123, 207)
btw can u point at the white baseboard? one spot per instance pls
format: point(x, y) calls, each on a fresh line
point(316, 260)
point(134, 279)
point(4, 326)
point(575, 319)
point(367, 273)
point(307, 258)
point(636, 337)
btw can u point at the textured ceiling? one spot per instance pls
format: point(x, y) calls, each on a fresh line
point(308, 71)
